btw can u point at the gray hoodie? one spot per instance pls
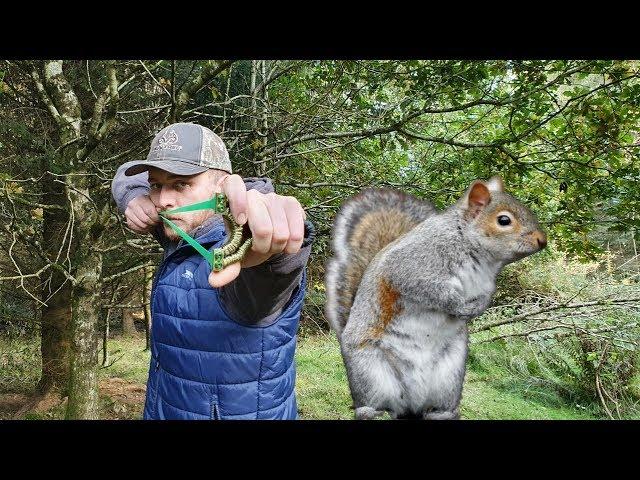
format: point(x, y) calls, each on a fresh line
point(259, 293)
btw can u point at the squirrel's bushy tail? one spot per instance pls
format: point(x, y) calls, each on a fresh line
point(364, 225)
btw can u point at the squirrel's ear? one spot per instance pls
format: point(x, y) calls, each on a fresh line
point(495, 184)
point(478, 197)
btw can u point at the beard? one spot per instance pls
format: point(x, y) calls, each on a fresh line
point(170, 234)
point(188, 224)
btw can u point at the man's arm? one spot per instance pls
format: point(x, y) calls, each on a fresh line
point(131, 194)
point(259, 294)
point(124, 189)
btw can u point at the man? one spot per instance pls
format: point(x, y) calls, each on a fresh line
point(222, 343)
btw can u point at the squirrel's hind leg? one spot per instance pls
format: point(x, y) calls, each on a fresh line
point(367, 413)
point(441, 415)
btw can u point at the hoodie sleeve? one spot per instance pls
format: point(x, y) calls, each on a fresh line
point(259, 294)
point(124, 189)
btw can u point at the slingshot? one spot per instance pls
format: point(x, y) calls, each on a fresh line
point(219, 258)
point(235, 250)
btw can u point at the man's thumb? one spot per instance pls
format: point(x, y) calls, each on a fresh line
point(225, 276)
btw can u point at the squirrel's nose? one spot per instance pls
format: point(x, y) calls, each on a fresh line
point(541, 238)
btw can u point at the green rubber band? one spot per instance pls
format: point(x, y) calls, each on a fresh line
point(189, 239)
point(219, 258)
point(216, 203)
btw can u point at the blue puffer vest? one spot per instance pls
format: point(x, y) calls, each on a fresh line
point(205, 365)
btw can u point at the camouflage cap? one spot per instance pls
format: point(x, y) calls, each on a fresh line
point(184, 149)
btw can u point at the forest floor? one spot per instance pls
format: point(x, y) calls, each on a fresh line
point(321, 386)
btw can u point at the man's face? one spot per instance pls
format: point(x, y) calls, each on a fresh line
point(172, 191)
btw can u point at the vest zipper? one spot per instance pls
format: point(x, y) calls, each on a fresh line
point(214, 412)
point(155, 396)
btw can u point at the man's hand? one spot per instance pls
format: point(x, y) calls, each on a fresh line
point(276, 223)
point(141, 214)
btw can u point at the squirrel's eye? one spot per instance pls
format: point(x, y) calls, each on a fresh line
point(504, 220)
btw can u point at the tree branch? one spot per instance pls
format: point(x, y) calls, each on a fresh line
point(99, 129)
point(522, 316)
point(44, 96)
point(126, 272)
point(210, 71)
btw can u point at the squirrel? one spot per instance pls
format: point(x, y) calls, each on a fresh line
point(403, 283)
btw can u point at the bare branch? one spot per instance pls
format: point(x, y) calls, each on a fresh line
point(23, 276)
point(64, 99)
point(44, 96)
point(128, 271)
point(522, 316)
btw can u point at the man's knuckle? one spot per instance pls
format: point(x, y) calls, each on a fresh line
point(292, 248)
point(280, 237)
point(262, 232)
point(261, 247)
point(296, 237)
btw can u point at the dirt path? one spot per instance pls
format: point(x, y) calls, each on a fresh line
point(119, 399)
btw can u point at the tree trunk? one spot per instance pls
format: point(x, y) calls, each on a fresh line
point(105, 339)
point(146, 300)
point(87, 262)
point(70, 322)
point(258, 113)
point(58, 293)
point(128, 322)
point(258, 143)
point(83, 391)
point(56, 316)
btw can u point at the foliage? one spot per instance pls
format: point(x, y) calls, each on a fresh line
point(571, 327)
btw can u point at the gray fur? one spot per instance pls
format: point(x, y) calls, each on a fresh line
point(369, 200)
point(444, 271)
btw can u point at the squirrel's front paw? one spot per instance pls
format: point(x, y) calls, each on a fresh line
point(475, 306)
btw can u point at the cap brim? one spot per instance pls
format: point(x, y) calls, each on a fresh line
point(172, 166)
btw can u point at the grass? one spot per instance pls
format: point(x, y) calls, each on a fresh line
point(127, 360)
point(323, 392)
point(321, 381)
point(491, 389)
